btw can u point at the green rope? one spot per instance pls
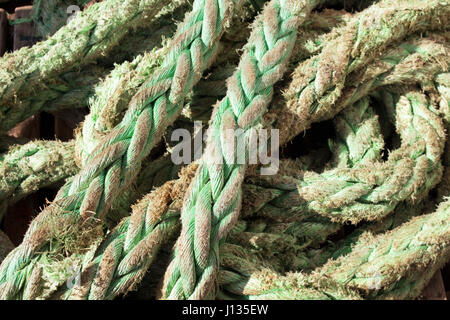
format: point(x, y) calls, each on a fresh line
point(316, 91)
point(88, 36)
point(401, 214)
point(72, 87)
point(244, 275)
point(378, 264)
point(371, 191)
point(154, 106)
point(34, 165)
point(213, 203)
point(124, 274)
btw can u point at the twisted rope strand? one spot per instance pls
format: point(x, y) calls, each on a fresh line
point(37, 164)
point(116, 161)
point(212, 204)
point(127, 254)
point(315, 93)
point(377, 264)
point(73, 88)
point(88, 36)
point(371, 191)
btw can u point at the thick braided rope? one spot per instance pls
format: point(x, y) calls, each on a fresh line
point(50, 15)
point(114, 93)
point(359, 138)
point(397, 65)
point(393, 265)
point(282, 238)
point(268, 241)
point(246, 197)
point(135, 242)
point(73, 88)
point(358, 126)
point(115, 163)
point(402, 213)
point(415, 61)
point(315, 93)
point(371, 191)
point(89, 35)
point(213, 202)
point(244, 275)
point(26, 168)
point(112, 97)
point(442, 84)
point(378, 264)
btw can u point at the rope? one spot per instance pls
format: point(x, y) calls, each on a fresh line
point(90, 35)
point(288, 216)
point(132, 260)
point(118, 158)
point(246, 276)
point(371, 191)
point(71, 87)
point(380, 264)
point(315, 93)
point(214, 198)
point(34, 165)
point(332, 251)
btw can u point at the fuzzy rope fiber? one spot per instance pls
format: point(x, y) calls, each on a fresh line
point(354, 97)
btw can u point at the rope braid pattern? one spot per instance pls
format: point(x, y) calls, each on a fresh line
point(133, 257)
point(150, 176)
point(371, 191)
point(359, 138)
point(124, 256)
point(131, 260)
point(442, 84)
point(402, 213)
point(89, 35)
point(213, 202)
point(34, 165)
point(382, 263)
point(119, 155)
point(244, 275)
point(133, 244)
point(119, 262)
point(315, 93)
point(393, 265)
point(72, 88)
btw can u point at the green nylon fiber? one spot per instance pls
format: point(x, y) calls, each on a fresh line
point(26, 168)
point(72, 86)
point(131, 141)
point(192, 272)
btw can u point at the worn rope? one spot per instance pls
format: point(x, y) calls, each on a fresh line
point(26, 168)
point(128, 269)
point(118, 157)
point(380, 264)
point(89, 35)
point(315, 93)
point(71, 87)
point(213, 202)
point(246, 275)
point(371, 191)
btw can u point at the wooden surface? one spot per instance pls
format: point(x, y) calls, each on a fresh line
point(3, 31)
point(19, 215)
